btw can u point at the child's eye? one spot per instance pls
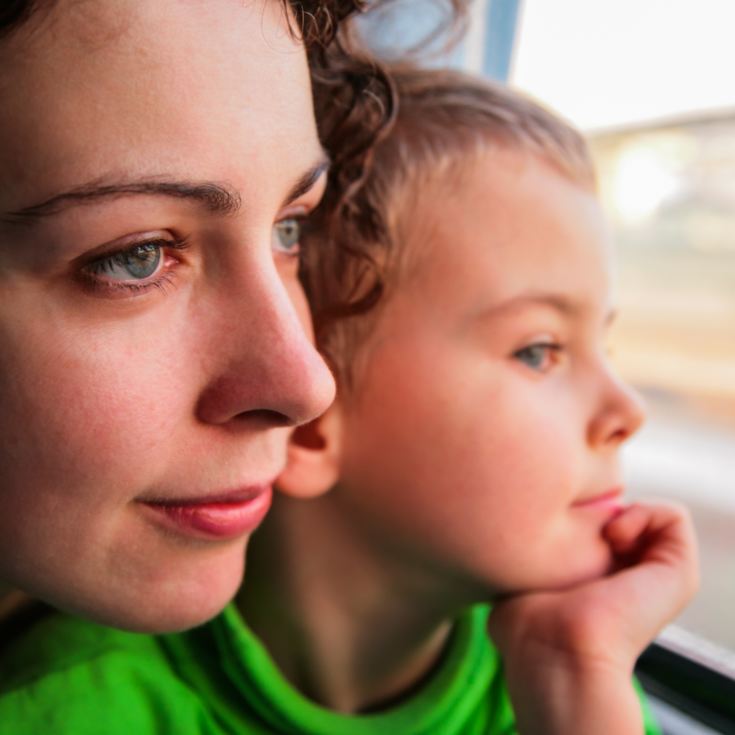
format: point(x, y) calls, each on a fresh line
point(286, 236)
point(541, 356)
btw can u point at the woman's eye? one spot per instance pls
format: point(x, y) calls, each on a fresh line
point(133, 270)
point(286, 236)
point(138, 263)
point(540, 356)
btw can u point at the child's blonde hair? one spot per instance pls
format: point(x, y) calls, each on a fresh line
point(443, 118)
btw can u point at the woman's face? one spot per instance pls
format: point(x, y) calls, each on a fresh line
point(153, 352)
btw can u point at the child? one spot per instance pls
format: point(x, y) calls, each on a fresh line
point(472, 453)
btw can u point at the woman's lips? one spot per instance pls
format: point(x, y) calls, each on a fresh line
point(222, 516)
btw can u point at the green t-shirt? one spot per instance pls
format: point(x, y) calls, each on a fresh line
point(62, 675)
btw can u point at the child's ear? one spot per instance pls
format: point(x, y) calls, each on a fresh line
point(313, 457)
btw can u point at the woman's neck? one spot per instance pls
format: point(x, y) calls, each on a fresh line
point(350, 622)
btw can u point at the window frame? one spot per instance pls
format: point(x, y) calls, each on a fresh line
point(705, 691)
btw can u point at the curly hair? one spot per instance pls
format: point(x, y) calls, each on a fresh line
point(355, 249)
point(356, 103)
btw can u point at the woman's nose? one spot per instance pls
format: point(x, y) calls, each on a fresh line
point(267, 366)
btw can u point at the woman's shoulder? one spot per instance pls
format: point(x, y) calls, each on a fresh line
point(37, 641)
point(61, 674)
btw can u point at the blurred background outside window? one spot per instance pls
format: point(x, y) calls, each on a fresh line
point(649, 82)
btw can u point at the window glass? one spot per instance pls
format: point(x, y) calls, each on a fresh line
point(648, 81)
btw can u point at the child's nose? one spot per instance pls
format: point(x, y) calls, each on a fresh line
point(621, 412)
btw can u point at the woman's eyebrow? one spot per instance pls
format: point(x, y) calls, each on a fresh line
point(218, 198)
point(307, 181)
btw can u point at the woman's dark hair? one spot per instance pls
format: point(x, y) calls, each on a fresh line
point(356, 106)
point(317, 21)
point(13, 13)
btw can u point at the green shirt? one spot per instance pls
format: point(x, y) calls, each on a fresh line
point(64, 675)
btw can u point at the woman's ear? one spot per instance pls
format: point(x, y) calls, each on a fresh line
point(313, 457)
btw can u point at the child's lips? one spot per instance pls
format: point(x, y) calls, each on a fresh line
point(608, 499)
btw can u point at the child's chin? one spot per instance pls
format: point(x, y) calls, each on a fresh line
point(548, 583)
point(594, 568)
point(587, 568)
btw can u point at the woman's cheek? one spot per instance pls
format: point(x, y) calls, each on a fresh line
point(89, 405)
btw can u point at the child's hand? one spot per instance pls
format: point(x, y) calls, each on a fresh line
point(574, 649)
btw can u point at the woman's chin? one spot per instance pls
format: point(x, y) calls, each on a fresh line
point(189, 608)
point(161, 616)
point(183, 598)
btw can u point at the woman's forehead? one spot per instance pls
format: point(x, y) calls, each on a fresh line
point(80, 36)
point(177, 87)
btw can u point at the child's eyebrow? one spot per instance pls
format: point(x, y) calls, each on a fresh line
point(564, 305)
point(557, 302)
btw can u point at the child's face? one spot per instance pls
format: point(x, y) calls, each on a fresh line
point(482, 437)
point(133, 384)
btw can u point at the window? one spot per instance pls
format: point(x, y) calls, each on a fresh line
point(647, 80)
point(662, 128)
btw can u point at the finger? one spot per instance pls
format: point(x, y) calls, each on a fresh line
point(662, 531)
point(661, 538)
point(672, 538)
point(625, 530)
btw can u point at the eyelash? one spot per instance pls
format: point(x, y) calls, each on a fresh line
point(551, 351)
point(91, 271)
